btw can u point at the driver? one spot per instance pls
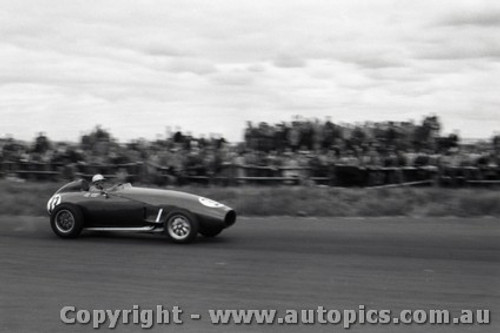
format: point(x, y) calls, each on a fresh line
point(97, 184)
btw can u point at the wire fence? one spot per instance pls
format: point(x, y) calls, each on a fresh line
point(235, 175)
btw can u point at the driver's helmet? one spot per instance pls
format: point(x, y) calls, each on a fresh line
point(97, 179)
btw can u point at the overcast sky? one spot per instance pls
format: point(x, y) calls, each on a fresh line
point(136, 67)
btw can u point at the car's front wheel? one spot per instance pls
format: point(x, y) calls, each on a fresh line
point(66, 221)
point(181, 226)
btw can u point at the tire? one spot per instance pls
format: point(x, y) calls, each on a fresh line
point(181, 226)
point(210, 232)
point(66, 221)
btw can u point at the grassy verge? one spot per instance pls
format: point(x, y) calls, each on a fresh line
point(30, 199)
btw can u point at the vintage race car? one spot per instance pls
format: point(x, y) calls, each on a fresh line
point(123, 207)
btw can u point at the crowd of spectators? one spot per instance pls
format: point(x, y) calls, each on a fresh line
point(302, 149)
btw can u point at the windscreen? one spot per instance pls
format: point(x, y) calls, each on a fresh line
point(75, 186)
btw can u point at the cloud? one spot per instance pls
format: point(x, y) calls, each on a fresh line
point(234, 77)
point(289, 61)
point(459, 45)
point(223, 62)
point(467, 31)
point(257, 68)
point(484, 18)
point(190, 65)
point(155, 48)
point(370, 58)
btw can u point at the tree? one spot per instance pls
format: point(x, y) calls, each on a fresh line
point(425, 135)
point(445, 143)
point(358, 137)
point(98, 140)
point(42, 144)
point(496, 143)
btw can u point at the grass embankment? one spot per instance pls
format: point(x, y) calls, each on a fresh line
point(30, 199)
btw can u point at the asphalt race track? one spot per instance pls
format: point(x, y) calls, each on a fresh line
point(260, 263)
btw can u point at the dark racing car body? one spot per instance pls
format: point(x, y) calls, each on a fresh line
point(122, 207)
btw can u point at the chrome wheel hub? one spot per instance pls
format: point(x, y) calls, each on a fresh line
point(65, 221)
point(179, 227)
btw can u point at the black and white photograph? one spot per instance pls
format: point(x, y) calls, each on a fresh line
point(249, 166)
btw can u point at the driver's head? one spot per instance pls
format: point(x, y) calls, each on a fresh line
point(98, 180)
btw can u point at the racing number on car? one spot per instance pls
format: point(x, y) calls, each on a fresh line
point(53, 202)
point(210, 203)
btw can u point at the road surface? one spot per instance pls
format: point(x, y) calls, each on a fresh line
point(261, 263)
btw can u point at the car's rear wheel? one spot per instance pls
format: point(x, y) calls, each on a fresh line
point(181, 226)
point(66, 221)
point(210, 232)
